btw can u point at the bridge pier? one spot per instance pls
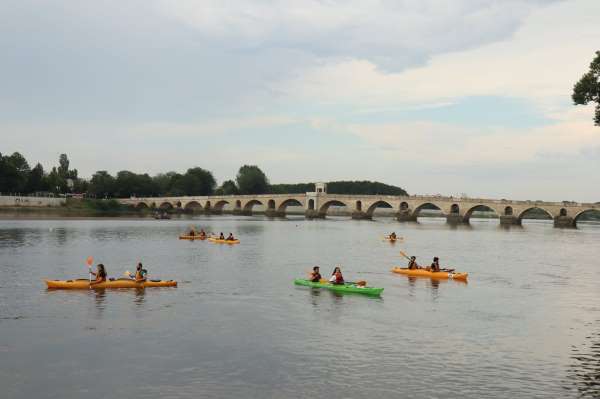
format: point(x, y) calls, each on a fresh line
point(360, 215)
point(405, 216)
point(274, 213)
point(456, 218)
point(509, 220)
point(564, 222)
point(313, 214)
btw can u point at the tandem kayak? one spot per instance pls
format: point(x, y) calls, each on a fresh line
point(186, 237)
point(218, 241)
point(426, 273)
point(348, 287)
point(84, 284)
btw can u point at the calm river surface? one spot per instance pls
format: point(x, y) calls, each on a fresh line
point(526, 325)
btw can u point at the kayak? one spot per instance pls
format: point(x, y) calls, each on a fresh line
point(426, 273)
point(348, 287)
point(84, 284)
point(218, 241)
point(390, 239)
point(186, 237)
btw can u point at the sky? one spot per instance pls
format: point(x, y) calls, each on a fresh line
point(452, 97)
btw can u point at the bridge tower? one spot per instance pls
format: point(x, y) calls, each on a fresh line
point(313, 200)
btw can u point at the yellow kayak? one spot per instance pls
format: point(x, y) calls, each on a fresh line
point(442, 275)
point(84, 284)
point(197, 237)
point(218, 241)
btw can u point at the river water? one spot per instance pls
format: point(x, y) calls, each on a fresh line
point(527, 324)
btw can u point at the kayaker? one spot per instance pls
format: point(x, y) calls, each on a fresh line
point(393, 235)
point(100, 274)
point(140, 273)
point(202, 233)
point(221, 236)
point(412, 263)
point(336, 276)
point(435, 266)
point(192, 232)
point(315, 276)
point(230, 237)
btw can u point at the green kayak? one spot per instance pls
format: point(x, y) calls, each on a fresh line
point(348, 287)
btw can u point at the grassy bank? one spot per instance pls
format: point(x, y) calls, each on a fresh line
point(75, 208)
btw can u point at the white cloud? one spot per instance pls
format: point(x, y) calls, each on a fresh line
point(538, 63)
point(394, 34)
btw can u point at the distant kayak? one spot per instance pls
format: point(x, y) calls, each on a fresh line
point(218, 241)
point(186, 237)
point(84, 284)
point(441, 275)
point(348, 287)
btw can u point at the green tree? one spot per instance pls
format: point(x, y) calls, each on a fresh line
point(63, 166)
point(588, 88)
point(14, 172)
point(196, 181)
point(102, 184)
point(35, 180)
point(251, 180)
point(229, 188)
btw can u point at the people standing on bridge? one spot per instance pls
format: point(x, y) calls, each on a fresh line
point(412, 263)
point(435, 265)
point(315, 275)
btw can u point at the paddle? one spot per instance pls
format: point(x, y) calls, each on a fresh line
point(89, 261)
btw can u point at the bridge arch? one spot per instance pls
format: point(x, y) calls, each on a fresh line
point(378, 204)
point(323, 209)
point(250, 204)
point(141, 206)
point(271, 204)
point(581, 214)
point(166, 206)
point(178, 204)
point(207, 206)
point(454, 209)
point(192, 206)
point(359, 206)
point(539, 210)
point(238, 204)
point(508, 211)
point(479, 208)
point(426, 206)
point(288, 202)
point(220, 205)
point(311, 204)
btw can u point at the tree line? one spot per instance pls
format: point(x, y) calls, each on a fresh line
point(16, 176)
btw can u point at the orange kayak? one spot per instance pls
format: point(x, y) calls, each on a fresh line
point(84, 284)
point(196, 237)
point(218, 241)
point(426, 273)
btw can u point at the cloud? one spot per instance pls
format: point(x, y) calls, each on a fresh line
point(391, 34)
point(536, 63)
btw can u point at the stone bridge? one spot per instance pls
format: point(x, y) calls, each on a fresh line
point(405, 208)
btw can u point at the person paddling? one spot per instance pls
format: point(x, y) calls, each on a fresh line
point(221, 236)
point(412, 263)
point(140, 273)
point(230, 237)
point(202, 233)
point(435, 265)
point(315, 275)
point(393, 236)
point(100, 274)
point(336, 276)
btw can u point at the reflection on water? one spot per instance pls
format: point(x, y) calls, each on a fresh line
point(239, 327)
point(584, 372)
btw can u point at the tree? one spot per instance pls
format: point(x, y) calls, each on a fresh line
point(229, 188)
point(63, 166)
point(588, 88)
point(35, 180)
point(102, 184)
point(14, 171)
point(251, 180)
point(196, 181)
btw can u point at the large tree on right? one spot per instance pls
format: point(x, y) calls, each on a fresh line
point(588, 88)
